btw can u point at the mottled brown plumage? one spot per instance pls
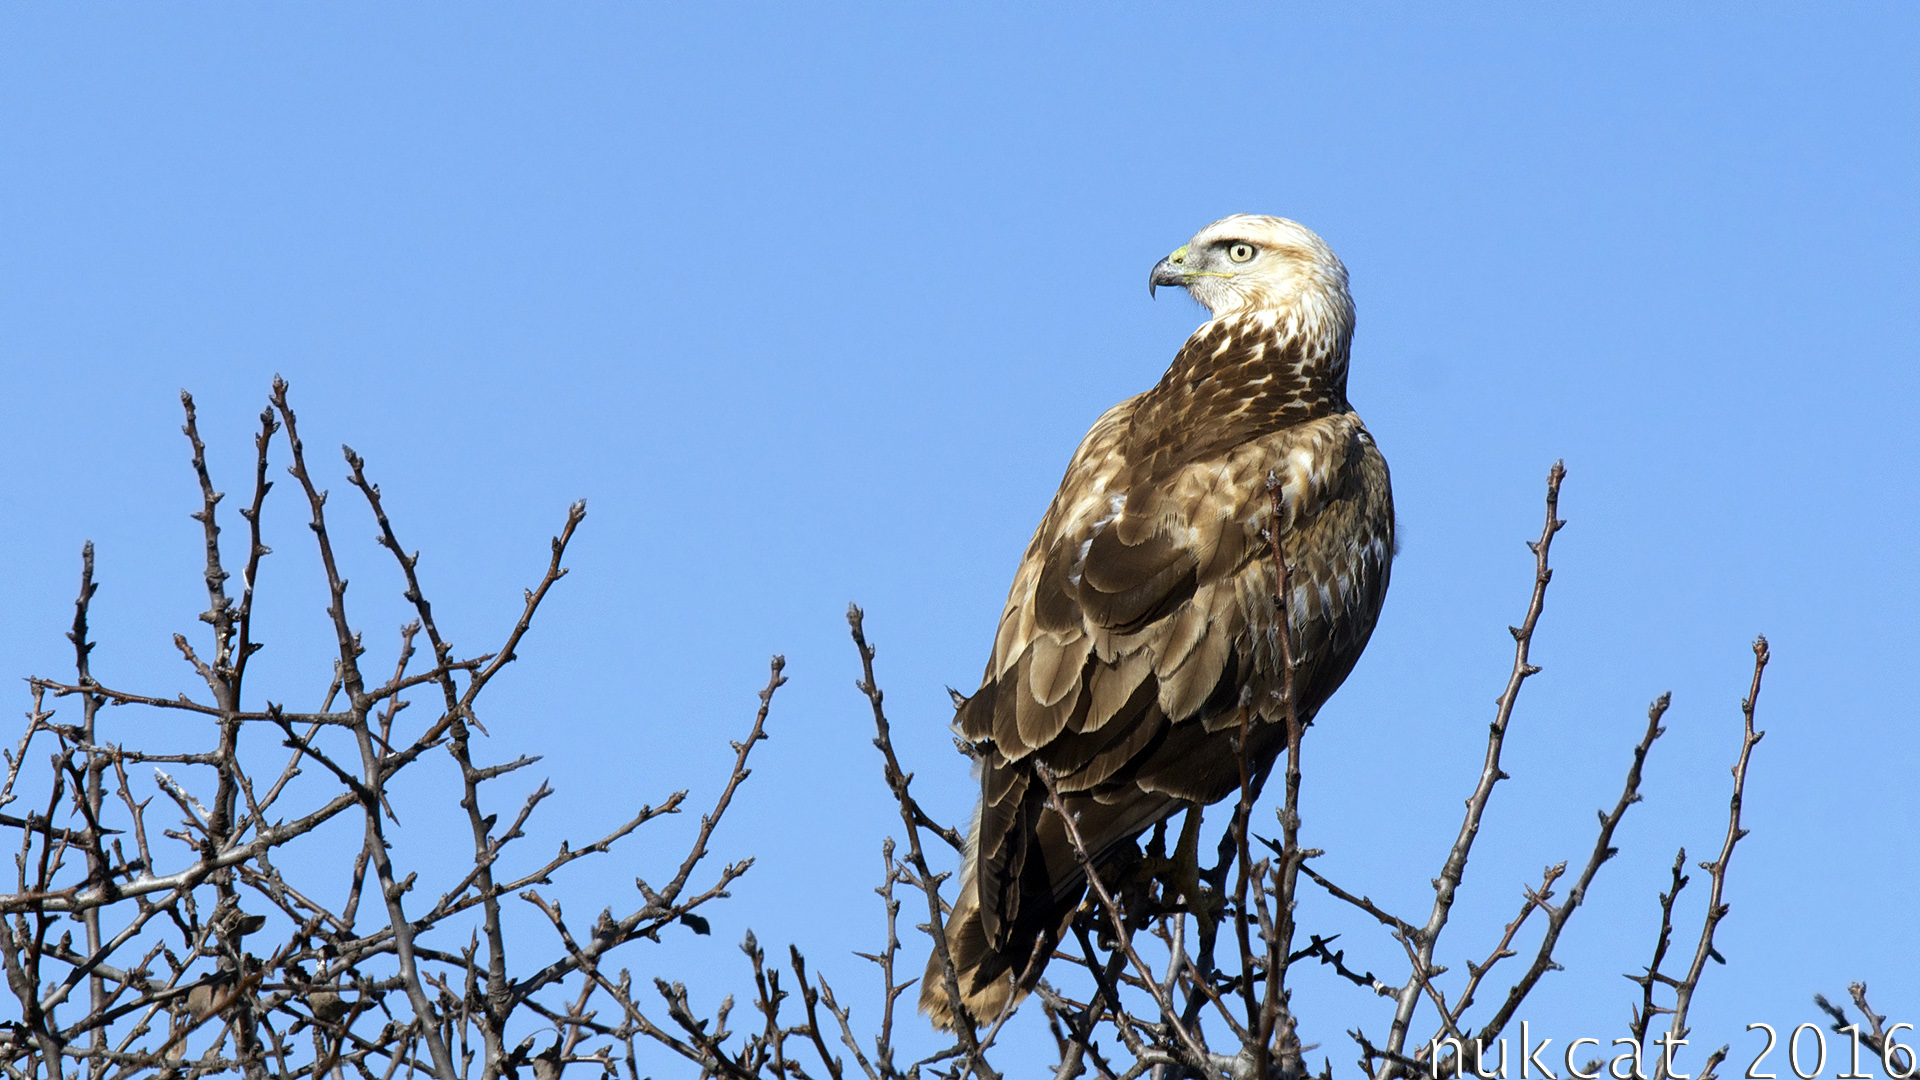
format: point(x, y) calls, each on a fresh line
point(1141, 622)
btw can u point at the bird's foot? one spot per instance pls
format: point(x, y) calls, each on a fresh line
point(1178, 875)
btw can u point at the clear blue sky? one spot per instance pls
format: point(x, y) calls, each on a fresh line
point(812, 303)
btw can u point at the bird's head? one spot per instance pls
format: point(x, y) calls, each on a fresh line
point(1252, 262)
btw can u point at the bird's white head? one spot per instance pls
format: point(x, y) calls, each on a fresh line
point(1253, 262)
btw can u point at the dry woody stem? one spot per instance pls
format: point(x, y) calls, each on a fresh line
point(209, 883)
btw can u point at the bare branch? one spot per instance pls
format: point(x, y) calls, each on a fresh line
point(1603, 850)
point(1717, 908)
point(1447, 884)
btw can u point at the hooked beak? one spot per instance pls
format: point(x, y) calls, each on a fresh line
point(1164, 273)
point(1169, 271)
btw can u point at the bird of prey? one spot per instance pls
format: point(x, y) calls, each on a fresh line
point(1141, 625)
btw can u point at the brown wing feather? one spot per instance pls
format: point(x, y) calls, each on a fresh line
point(1141, 623)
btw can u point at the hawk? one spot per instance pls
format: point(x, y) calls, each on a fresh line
point(1141, 624)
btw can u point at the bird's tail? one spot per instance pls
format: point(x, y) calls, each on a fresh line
point(985, 979)
point(1034, 884)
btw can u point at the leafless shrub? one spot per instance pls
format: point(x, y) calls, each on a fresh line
point(422, 982)
point(175, 971)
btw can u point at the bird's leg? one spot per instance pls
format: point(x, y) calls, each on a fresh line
point(1183, 873)
point(1155, 855)
point(1178, 875)
point(1153, 860)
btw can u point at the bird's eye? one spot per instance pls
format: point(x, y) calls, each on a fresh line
point(1242, 252)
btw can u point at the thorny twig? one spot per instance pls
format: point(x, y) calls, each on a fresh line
point(329, 975)
point(1447, 885)
point(1717, 907)
point(174, 982)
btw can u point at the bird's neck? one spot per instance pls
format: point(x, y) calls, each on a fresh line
point(1291, 359)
